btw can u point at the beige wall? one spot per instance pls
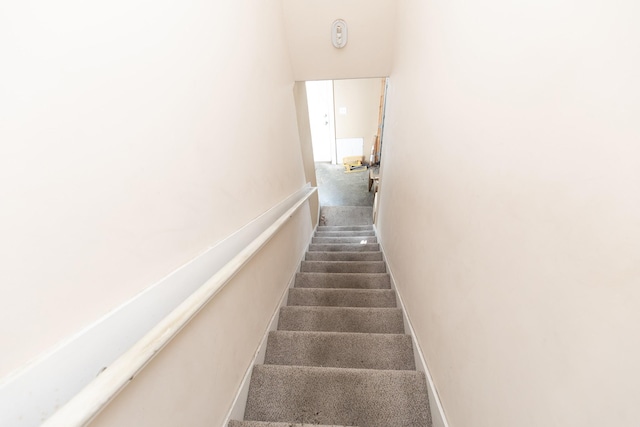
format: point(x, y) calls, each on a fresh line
point(361, 98)
point(133, 137)
point(514, 236)
point(304, 131)
point(369, 50)
point(194, 380)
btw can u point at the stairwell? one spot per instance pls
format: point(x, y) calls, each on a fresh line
point(340, 355)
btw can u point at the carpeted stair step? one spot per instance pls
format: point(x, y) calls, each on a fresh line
point(343, 256)
point(340, 350)
point(343, 280)
point(341, 319)
point(364, 397)
point(272, 424)
point(342, 297)
point(344, 228)
point(343, 267)
point(361, 240)
point(348, 247)
point(344, 233)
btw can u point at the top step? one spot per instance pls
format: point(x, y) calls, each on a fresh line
point(344, 227)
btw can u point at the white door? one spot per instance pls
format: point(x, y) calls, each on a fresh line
point(322, 120)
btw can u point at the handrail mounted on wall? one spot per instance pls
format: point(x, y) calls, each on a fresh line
point(80, 410)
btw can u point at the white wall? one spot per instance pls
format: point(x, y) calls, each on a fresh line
point(371, 33)
point(193, 381)
point(306, 146)
point(133, 137)
point(514, 233)
point(357, 106)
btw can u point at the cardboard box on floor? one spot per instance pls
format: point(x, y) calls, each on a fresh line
point(353, 163)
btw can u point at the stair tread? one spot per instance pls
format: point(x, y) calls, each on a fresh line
point(340, 356)
point(343, 256)
point(341, 319)
point(343, 280)
point(340, 350)
point(347, 247)
point(345, 233)
point(341, 297)
point(362, 240)
point(274, 424)
point(344, 227)
point(343, 267)
point(345, 262)
point(366, 397)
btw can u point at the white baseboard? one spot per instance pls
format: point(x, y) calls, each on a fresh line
point(31, 394)
point(236, 412)
point(438, 416)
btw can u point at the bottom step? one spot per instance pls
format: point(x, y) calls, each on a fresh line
point(269, 424)
point(351, 397)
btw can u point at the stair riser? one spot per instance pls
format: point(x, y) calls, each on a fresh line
point(343, 267)
point(359, 397)
point(325, 319)
point(361, 240)
point(336, 247)
point(339, 280)
point(343, 256)
point(342, 297)
point(340, 350)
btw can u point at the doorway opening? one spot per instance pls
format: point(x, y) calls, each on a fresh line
point(346, 120)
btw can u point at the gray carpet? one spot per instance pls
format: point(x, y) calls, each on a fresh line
point(361, 240)
point(340, 356)
point(343, 280)
point(270, 424)
point(343, 267)
point(343, 256)
point(348, 211)
point(347, 396)
point(348, 247)
point(345, 215)
point(342, 319)
point(340, 350)
point(337, 188)
point(342, 297)
point(345, 233)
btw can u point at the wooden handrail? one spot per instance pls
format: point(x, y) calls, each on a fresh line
point(92, 399)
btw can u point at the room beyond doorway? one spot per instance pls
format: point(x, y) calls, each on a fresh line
point(338, 188)
point(346, 119)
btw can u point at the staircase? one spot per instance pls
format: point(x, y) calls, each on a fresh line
point(340, 355)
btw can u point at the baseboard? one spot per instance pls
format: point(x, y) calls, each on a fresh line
point(236, 412)
point(437, 410)
point(34, 392)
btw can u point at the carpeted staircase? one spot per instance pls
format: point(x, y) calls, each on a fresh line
point(340, 355)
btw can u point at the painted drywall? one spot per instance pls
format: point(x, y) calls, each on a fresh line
point(306, 147)
point(133, 138)
point(319, 95)
point(357, 106)
point(514, 231)
point(194, 380)
point(371, 32)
